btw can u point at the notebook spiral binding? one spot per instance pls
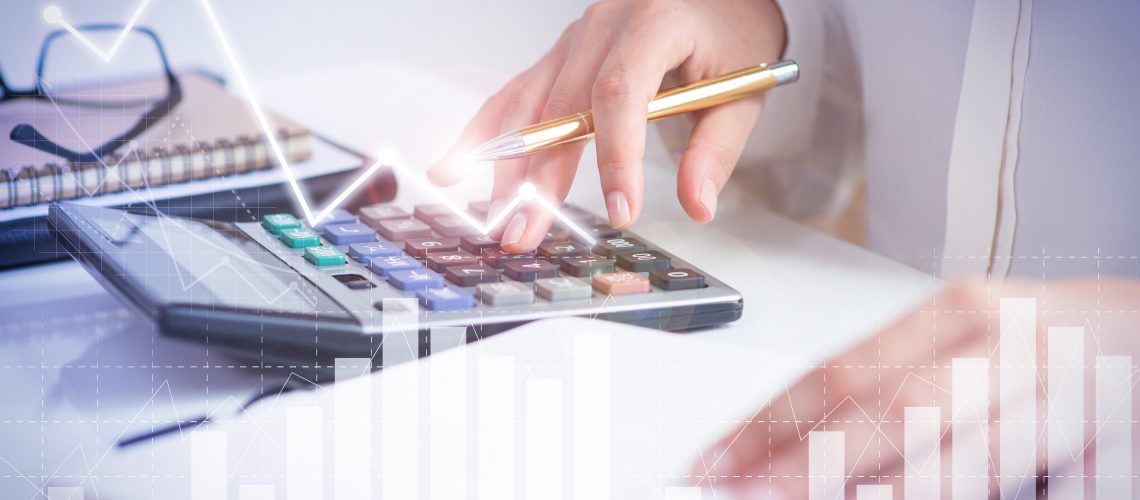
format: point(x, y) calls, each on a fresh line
point(138, 169)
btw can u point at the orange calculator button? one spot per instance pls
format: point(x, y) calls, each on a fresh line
point(622, 283)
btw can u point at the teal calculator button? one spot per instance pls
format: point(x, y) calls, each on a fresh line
point(324, 256)
point(299, 238)
point(276, 222)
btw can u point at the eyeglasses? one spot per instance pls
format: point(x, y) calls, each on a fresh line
point(28, 135)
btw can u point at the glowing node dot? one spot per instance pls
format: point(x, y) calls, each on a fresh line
point(386, 156)
point(527, 191)
point(52, 14)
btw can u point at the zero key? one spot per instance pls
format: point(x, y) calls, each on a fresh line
point(676, 278)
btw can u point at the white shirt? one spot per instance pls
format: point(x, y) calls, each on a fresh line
point(882, 94)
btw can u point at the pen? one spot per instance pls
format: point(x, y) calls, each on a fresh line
point(694, 96)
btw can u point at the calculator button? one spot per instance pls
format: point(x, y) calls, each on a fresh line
point(556, 234)
point(385, 265)
point(563, 249)
point(613, 246)
point(587, 265)
point(600, 232)
point(299, 238)
point(428, 213)
point(621, 283)
point(497, 257)
point(643, 262)
point(344, 234)
point(336, 216)
point(440, 260)
point(403, 229)
point(373, 214)
point(420, 247)
point(505, 293)
point(676, 279)
point(415, 279)
point(476, 244)
point(530, 270)
point(453, 225)
point(574, 212)
point(324, 256)
point(563, 288)
point(471, 275)
point(479, 208)
point(354, 281)
point(361, 252)
point(445, 299)
point(274, 223)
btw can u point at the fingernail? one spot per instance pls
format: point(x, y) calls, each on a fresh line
point(514, 230)
point(707, 197)
point(618, 207)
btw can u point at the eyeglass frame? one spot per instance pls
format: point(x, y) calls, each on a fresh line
point(28, 135)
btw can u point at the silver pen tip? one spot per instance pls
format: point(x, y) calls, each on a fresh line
point(508, 145)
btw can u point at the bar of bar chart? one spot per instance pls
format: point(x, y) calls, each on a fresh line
point(495, 416)
point(1017, 431)
point(304, 453)
point(257, 492)
point(1064, 415)
point(826, 474)
point(543, 433)
point(352, 431)
point(65, 493)
point(400, 401)
point(208, 465)
point(1113, 427)
point(922, 429)
point(591, 414)
point(447, 421)
point(682, 493)
point(874, 492)
point(970, 424)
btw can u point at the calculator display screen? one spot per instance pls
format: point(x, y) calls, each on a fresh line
point(210, 263)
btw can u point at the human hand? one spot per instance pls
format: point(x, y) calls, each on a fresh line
point(612, 61)
point(864, 391)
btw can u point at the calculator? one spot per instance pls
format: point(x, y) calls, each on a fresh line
point(280, 290)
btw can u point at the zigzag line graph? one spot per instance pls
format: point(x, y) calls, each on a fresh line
point(54, 15)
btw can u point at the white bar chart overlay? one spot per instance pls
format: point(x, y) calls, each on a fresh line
point(969, 453)
point(208, 465)
point(1113, 427)
point(304, 452)
point(826, 474)
point(1065, 414)
point(352, 430)
point(543, 428)
point(682, 493)
point(874, 492)
point(400, 401)
point(257, 492)
point(592, 413)
point(496, 427)
point(447, 403)
point(1017, 467)
point(65, 493)
point(922, 429)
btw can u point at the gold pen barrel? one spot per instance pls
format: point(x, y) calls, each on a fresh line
point(692, 97)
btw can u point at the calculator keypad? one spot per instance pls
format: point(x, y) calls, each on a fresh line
point(441, 260)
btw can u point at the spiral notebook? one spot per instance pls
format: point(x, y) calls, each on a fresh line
point(210, 133)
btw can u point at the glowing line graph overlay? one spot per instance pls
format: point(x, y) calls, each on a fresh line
point(54, 15)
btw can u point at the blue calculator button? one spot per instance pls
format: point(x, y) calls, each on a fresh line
point(364, 251)
point(399, 262)
point(344, 234)
point(445, 299)
point(415, 279)
point(337, 216)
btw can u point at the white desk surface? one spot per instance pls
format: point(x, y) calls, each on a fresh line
point(76, 365)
